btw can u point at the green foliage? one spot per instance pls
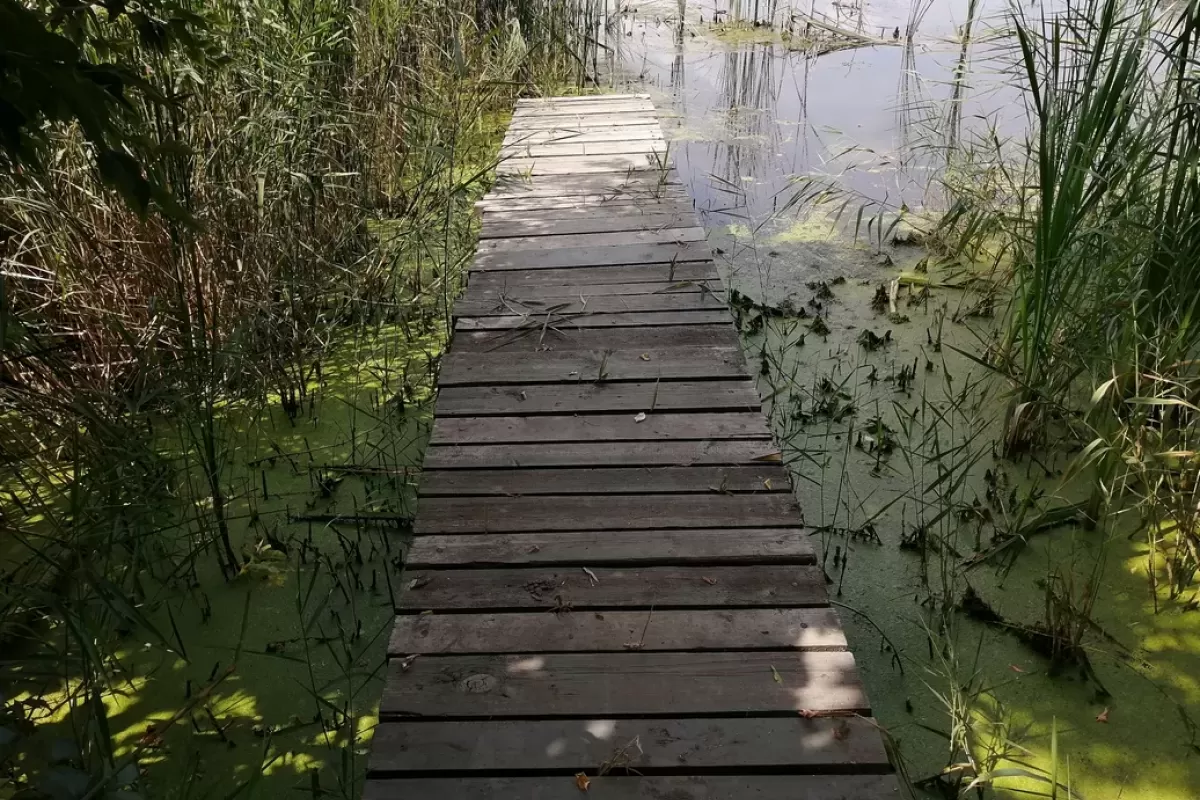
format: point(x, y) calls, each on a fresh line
point(90, 65)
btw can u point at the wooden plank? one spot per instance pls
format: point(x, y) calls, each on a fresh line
point(599, 428)
point(671, 252)
point(596, 223)
point(627, 548)
point(513, 244)
point(610, 631)
point(609, 512)
point(569, 120)
point(610, 787)
point(639, 106)
point(584, 305)
point(611, 148)
point(573, 588)
point(645, 183)
point(617, 274)
point(492, 369)
point(552, 136)
point(480, 291)
point(582, 745)
point(536, 322)
point(535, 339)
point(577, 165)
point(590, 397)
point(572, 210)
point(606, 480)
point(622, 684)
point(637, 454)
point(579, 98)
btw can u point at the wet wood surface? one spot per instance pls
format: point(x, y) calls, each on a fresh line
point(609, 575)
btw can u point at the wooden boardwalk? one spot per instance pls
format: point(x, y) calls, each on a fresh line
point(609, 590)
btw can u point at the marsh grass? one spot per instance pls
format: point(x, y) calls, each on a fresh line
point(179, 388)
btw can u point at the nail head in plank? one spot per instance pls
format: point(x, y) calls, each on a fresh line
point(610, 512)
point(728, 546)
point(613, 631)
point(624, 684)
point(582, 745)
point(604, 480)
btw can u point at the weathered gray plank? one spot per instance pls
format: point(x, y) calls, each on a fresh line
point(709, 787)
point(637, 183)
point(616, 208)
point(530, 340)
point(554, 109)
point(605, 480)
point(582, 121)
point(516, 244)
point(591, 397)
point(603, 454)
point(536, 322)
point(691, 361)
point(610, 148)
point(551, 137)
point(602, 304)
point(599, 428)
point(577, 165)
point(549, 587)
point(640, 745)
point(578, 98)
point(609, 512)
point(597, 223)
point(659, 630)
point(615, 274)
point(619, 684)
point(670, 252)
point(670, 196)
point(628, 548)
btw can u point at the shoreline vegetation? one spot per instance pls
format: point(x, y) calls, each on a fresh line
point(229, 255)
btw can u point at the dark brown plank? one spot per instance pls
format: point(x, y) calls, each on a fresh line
point(615, 548)
point(581, 305)
point(621, 684)
point(604, 480)
point(549, 587)
point(596, 223)
point(516, 244)
point(552, 295)
point(611, 631)
point(599, 428)
point(582, 745)
point(558, 398)
point(566, 338)
point(491, 369)
point(671, 252)
point(710, 787)
point(635, 319)
point(618, 274)
point(608, 512)
point(633, 454)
